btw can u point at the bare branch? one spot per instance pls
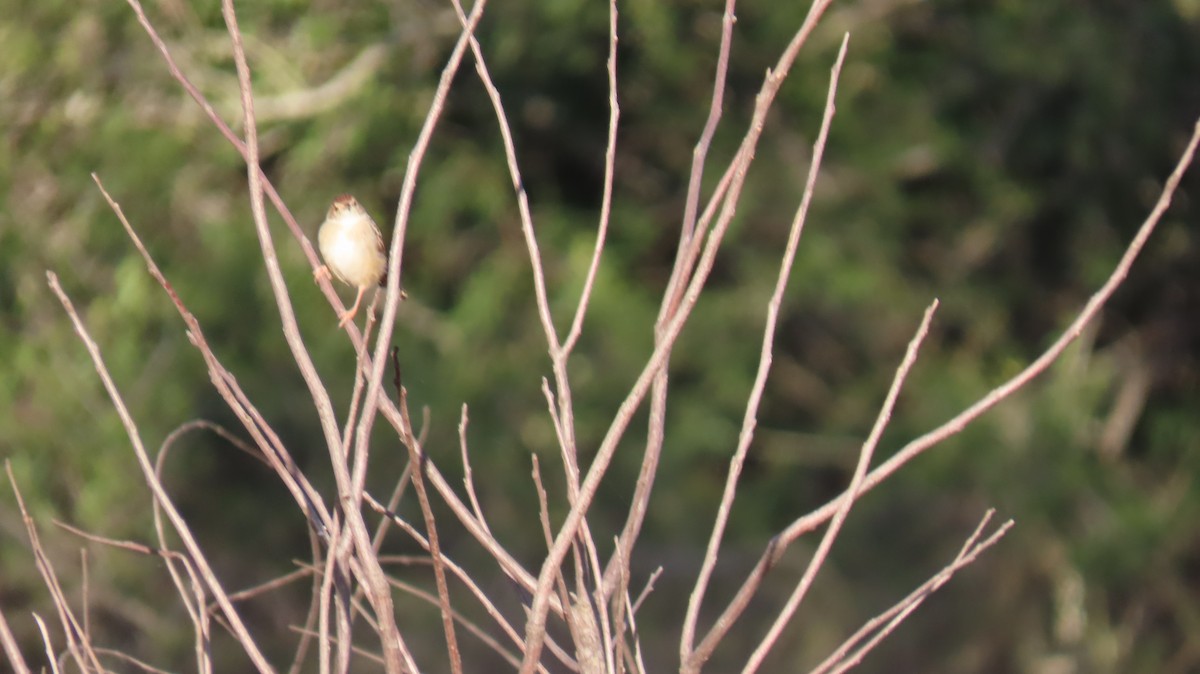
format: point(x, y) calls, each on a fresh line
point(610, 157)
point(883, 624)
point(77, 644)
point(823, 514)
point(750, 419)
point(510, 154)
point(192, 599)
point(435, 551)
point(565, 422)
point(1037, 367)
point(125, 657)
point(560, 584)
point(699, 154)
point(270, 585)
point(15, 659)
point(181, 527)
point(864, 462)
point(314, 607)
point(471, 585)
point(209, 111)
point(197, 610)
point(226, 384)
point(535, 627)
point(388, 321)
point(395, 652)
point(470, 626)
point(468, 480)
point(658, 397)
point(46, 642)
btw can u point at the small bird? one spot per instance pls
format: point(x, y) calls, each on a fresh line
point(353, 249)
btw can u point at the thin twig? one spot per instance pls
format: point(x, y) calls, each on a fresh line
point(683, 261)
point(181, 527)
point(864, 462)
point(394, 500)
point(558, 354)
point(468, 480)
point(658, 396)
point(883, 624)
point(548, 533)
point(631, 611)
point(78, 646)
point(388, 321)
point(324, 654)
point(46, 642)
point(406, 474)
point(572, 479)
point(470, 583)
point(375, 658)
point(1094, 304)
point(226, 384)
point(270, 585)
point(210, 111)
point(610, 158)
point(479, 633)
point(314, 606)
point(356, 392)
point(197, 610)
point(194, 604)
point(125, 657)
point(86, 603)
point(535, 627)
point(431, 531)
point(647, 589)
point(9, 642)
point(132, 546)
point(814, 519)
point(750, 418)
point(571, 467)
point(396, 654)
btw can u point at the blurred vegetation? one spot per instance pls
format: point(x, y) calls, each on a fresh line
point(998, 156)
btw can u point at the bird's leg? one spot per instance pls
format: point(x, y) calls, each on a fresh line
point(321, 274)
point(354, 309)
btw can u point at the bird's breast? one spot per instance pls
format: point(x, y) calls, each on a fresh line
point(353, 257)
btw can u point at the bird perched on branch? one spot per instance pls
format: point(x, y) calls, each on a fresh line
point(353, 250)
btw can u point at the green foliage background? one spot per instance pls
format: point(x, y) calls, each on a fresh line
point(998, 156)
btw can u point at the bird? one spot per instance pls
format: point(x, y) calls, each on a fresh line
point(352, 248)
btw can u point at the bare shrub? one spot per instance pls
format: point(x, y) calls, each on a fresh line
point(583, 584)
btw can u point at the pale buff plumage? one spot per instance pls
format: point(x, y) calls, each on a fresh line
point(353, 250)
